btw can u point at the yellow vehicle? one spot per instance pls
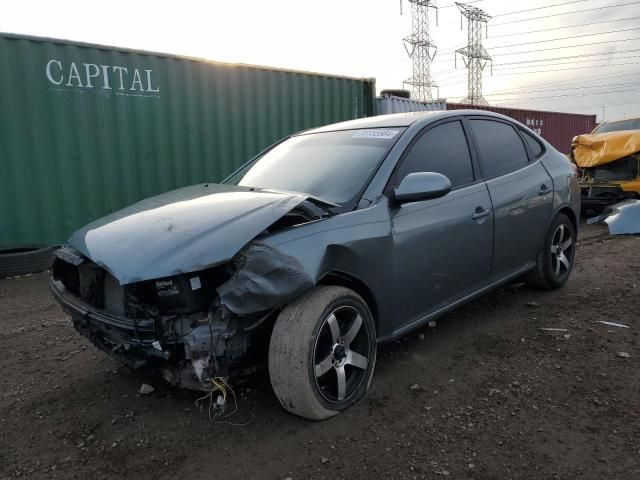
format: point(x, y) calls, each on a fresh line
point(608, 161)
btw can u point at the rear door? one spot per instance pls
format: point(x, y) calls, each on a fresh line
point(521, 192)
point(442, 247)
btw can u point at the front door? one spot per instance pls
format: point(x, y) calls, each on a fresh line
point(442, 247)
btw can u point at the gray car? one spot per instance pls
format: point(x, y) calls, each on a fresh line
point(326, 244)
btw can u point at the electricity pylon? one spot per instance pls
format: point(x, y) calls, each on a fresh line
point(474, 55)
point(421, 50)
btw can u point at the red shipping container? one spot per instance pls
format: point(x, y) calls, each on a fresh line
point(556, 128)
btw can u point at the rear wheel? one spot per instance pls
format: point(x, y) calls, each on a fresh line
point(322, 352)
point(555, 258)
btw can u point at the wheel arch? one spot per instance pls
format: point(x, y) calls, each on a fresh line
point(569, 213)
point(342, 279)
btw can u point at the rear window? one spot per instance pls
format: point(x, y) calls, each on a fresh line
point(535, 146)
point(500, 147)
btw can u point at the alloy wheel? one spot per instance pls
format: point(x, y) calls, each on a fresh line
point(562, 248)
point(341, 354)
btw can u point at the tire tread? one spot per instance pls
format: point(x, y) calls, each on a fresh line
point(288, 356)
point(22, 263)
point(540, 275)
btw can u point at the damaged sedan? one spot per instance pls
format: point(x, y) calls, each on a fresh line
point(325, 245)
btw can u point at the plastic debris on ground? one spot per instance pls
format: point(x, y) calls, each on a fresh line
point(622, 218)
point(146, 389)
point(612, 324)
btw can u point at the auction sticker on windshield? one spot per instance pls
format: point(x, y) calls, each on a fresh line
point(375, 133)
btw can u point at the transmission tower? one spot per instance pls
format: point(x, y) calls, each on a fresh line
point(421, 49)
point(474, 55)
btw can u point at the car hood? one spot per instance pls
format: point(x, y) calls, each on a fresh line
point(601, 148)
point(181, 231)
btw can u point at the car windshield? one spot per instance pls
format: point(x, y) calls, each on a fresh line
point(334, 166)
point(632, 124)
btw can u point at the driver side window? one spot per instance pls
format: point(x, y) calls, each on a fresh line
point(442, 149)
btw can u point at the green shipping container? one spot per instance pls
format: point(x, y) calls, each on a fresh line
point(87, 129)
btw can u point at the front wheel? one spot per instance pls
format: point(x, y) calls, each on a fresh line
point(555, 258)
point(322, 352)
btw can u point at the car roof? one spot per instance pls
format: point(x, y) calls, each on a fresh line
point(609, 122)
point(616, 120)
point(401, 120)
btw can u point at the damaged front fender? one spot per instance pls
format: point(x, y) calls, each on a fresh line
point(265, 278)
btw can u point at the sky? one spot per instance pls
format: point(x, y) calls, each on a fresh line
point(363, 38)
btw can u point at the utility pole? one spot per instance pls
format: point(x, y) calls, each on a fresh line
point(421, 49)
point(474, 55)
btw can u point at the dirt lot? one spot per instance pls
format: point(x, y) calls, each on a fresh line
point(496, 396)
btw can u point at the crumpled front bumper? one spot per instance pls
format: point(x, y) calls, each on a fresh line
point(186, 351)
point(133, 343)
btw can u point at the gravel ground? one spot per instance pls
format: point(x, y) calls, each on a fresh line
point(485, 394)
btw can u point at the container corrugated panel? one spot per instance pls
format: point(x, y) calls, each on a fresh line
point(391, 104)
point(556, 128)
point(88, 129)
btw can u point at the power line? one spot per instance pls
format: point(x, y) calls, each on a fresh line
point(451, 77)
point(543, 64)
point(450, 73)
point(568, 38)
point(454, 83)
point(631, 102)
point(590, 77)
point(569, 57)
point(565, 69)
point(561, 63)
point(573, 95)
point(564, 38)
point(576, 87)
point(446, 84)
point(539, 8)
point(564, 27)
point(567, 46)
point(566, 13)
point(454, 5)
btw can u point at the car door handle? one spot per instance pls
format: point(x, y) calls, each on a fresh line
point(544, 189)
point(480, 213)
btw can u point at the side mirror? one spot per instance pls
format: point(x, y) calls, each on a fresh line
point(421, 186)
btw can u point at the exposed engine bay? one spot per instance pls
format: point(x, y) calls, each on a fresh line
point(609, 167)
point(609, 184)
